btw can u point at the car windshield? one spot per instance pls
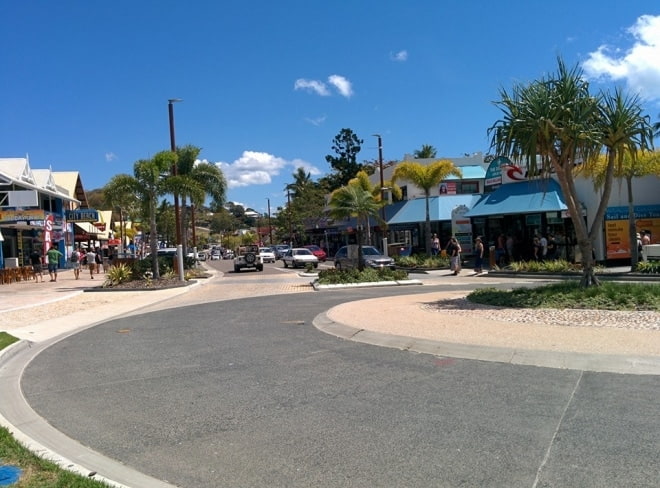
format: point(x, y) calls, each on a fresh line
point(302, 251)
point(370, 251)
point(265, 249)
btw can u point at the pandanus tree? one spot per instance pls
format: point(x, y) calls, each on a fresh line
point(555, 125)
point(426, 177)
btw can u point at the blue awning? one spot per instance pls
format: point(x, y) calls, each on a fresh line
point(532, 196)
point(440, 208)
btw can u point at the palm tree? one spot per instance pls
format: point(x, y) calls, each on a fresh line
point(362, 179)
point(426, 152)
point(199, 180)
point(426, 177)
point(148, 184)
point(302, 181)
point(558, 120)
point(354, 201)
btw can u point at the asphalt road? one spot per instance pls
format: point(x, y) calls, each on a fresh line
point(247, 393)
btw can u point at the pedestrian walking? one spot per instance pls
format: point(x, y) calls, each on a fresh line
point(435, 245)
point(479, 255)
point(37, 267)
point(75, 263)
point(90, 257)
point(455, 256)
point(53, 256)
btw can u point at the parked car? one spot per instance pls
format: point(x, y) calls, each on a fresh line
point(201, 256)
point(318, 252)
point(267, 254)
point(347, 257)
point(215, 255)
point(299, 256)
point(280, 250)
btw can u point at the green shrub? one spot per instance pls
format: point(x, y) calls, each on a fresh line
point(569, 294)
point(648, 267)
point(369, 275)
point(422, 261)
point(118, 274)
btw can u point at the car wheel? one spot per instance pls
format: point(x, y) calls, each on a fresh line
point(286, 265)
point(316, 265)
point(260, 267)
point(338, 266)
point(237, 269)
point(250, 258)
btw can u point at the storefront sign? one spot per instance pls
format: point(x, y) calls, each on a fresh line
point(11, 216)
point(494, 173)
point(617, 231)
point(461, 228)
point(82, 215)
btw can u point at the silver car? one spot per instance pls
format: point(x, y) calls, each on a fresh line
point(347, 257)
point(299, 256)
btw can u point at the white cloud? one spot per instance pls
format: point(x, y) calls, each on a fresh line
point(342, 85)
point(317, 121)
point(315, 86)
point(400, 56)
point(638, 66)
point(110, 156)
point(258, 168)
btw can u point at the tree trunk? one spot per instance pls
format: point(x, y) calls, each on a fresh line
point(427, 228)
point(632, 228)
point(153, 241)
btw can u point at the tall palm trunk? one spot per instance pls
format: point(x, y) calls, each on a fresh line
point(427, 226)
point(153, 240)
point(632, 228)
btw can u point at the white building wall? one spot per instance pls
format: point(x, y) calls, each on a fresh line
point(646, 191)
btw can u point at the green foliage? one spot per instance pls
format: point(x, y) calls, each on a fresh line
point(553, 266)
point(648, 267)
point(569, 294)
point(38, 472)
point(368, 275)
point(6, 340)
point(422, 261)
point(118, 274)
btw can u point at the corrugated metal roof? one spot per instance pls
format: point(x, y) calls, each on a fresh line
point(525, 197)
point(440, 208)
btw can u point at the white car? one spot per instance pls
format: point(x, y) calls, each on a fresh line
point(299, 257)
point(267, 254)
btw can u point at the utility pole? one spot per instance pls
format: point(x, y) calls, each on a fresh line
point(177, 210)
point(382, 189)
point(270, 227)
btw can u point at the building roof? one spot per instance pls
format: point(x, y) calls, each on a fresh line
point(531, 196)
point(440, 208)
point(17, 171)
point(70, 182)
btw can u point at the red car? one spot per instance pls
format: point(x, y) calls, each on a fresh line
point(317, 251)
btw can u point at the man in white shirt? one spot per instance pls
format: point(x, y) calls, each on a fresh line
point(544, 247)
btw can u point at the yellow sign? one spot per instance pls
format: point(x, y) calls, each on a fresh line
point(8, 216)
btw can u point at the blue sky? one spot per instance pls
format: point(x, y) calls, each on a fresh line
point(267, 85)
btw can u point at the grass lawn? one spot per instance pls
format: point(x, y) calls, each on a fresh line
point(35, 471)
point(568, 294)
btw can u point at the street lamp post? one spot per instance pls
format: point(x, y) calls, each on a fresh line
point(270, 227)
point(382, 188)
point(177, 210)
